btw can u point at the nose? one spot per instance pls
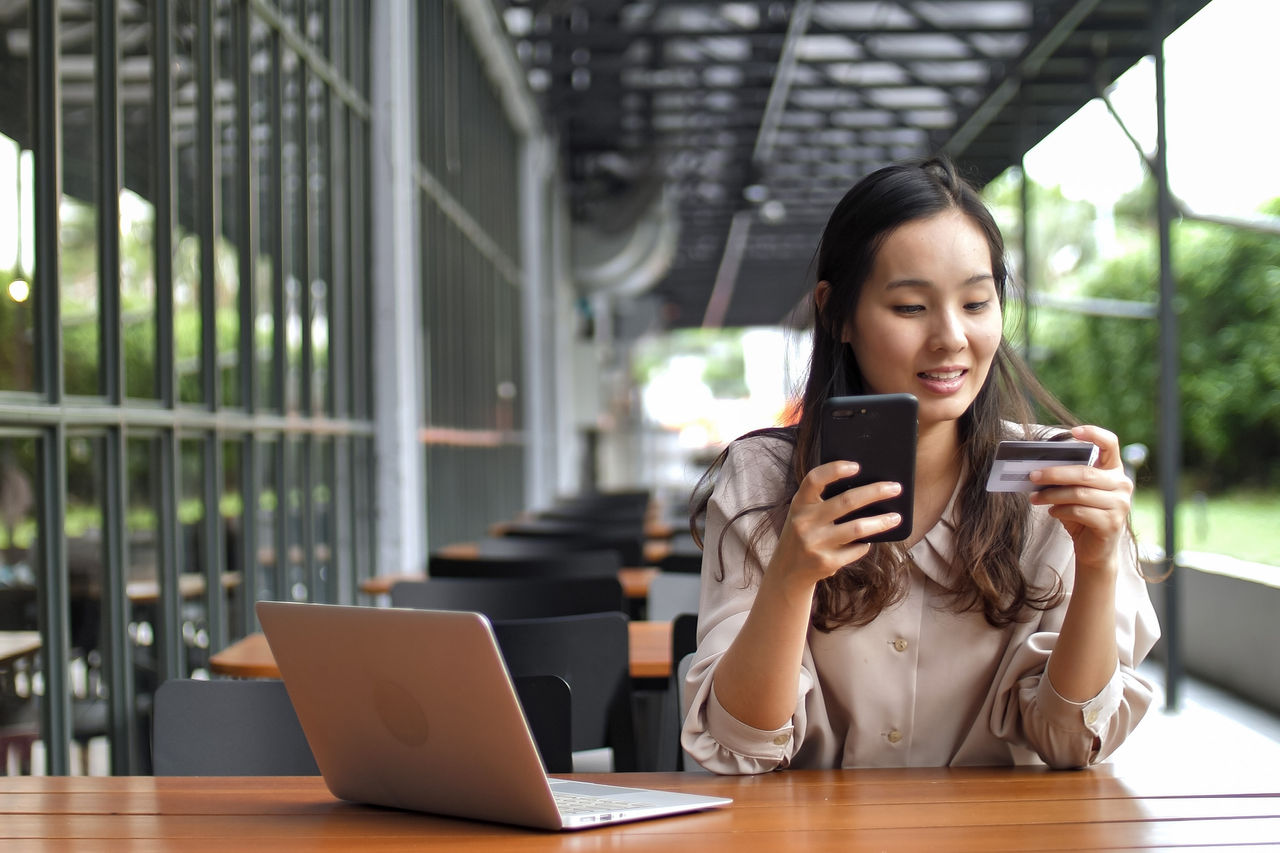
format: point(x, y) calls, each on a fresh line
point(947, 333)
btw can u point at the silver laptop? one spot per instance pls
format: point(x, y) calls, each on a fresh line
point(414, 709)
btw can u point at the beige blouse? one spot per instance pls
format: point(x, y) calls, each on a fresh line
point(921, 685)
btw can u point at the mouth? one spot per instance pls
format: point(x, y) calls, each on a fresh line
point(942, 375)
point(942, 382)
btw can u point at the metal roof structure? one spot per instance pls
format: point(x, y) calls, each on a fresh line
point(742, 123)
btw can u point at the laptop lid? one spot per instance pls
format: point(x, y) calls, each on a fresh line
point(414, 709)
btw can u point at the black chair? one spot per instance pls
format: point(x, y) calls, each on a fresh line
point(684, 642)
point(227, 728)
point(591, 653)
point(515, 598)
point(672, 593)
point(249, 728)
point(684, 555)
point(629, 545)
point(564, 565)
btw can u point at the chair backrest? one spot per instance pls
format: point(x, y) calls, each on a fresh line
point(684, 635)
point(227, 728)
point(513, 598)
point(673, 594)
point(568, 564)
point(249, 728)
point(591, 653)
point(548, 707)
point(627, 540)
point(683, 555)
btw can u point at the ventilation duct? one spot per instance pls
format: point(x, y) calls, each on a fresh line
point(629, 258)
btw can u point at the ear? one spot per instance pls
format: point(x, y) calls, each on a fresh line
point(820, 296)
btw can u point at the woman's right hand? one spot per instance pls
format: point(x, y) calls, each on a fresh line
point(812, 546)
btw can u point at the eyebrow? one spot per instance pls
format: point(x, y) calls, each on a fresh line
point(976, 278)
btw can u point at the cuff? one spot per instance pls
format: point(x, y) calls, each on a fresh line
point(738, 737)
point(1091, 715)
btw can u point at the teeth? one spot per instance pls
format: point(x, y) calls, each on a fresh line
point(943, 377)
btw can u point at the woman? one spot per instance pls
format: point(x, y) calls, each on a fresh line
point(1004, 627)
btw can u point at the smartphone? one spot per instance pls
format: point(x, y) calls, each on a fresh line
point(1015, 460)
point(878, 431)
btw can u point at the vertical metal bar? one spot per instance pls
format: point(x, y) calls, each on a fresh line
point(344, 560)
point(278, 474)
point(107, 94)
point(122, 715)
point(337, 396)
point(162, 197)
point(276, 191)
point(247, 215)
point(206, 216)
point(213, 557)
point(55, 711)
point(1170, 432)
point(48, 192)
point(307, 452)
point(249, 532)
point(55, 602)
point(302, 253)
point(169, 637)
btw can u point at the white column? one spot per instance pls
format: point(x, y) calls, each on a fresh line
point(398, 348)
point(539, 391)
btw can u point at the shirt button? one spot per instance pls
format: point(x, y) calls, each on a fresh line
point(894, 736)
point(781, 740)
point(1091, 717)
point(900, 645)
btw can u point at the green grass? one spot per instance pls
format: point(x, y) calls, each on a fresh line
point(1243, 525)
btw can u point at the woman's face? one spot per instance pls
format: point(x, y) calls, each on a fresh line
point(928, 321)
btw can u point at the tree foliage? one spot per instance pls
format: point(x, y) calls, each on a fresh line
point(1228, 307)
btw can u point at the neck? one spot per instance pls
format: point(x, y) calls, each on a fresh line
point(938, 457)
point(937, 471)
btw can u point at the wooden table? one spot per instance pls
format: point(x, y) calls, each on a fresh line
point(635, 580)
point(251, 657)
point(984, 809)
point(18, 644)
point(190, 585)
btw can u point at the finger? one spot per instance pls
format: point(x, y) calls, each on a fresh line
point(817, 480)
point(1106, 479)
point(860, 529)
point(858, 497)
point(1106, 441)
point(1103, 522)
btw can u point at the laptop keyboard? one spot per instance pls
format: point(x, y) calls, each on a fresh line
point(571, 804)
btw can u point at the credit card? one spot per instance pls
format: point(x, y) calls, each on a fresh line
point(1015, 460)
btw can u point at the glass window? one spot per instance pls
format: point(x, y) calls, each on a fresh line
point(138, 314)
point(17, 256)
point(21, 672)
point(86, 582)
point(188, 324)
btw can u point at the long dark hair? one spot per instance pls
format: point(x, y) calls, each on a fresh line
point(986, 564)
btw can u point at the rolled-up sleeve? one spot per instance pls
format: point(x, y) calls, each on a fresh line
point(1068, 734)
point(711, 735)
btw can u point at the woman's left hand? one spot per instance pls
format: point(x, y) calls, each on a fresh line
point(1092, 502)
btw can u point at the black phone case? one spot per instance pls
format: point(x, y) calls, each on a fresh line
point(878, 431)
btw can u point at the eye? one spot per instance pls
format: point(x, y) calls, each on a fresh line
point(908, 309)
point(977, 306)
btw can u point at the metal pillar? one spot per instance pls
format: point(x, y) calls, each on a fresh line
point(1170, 433)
